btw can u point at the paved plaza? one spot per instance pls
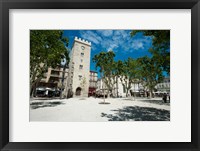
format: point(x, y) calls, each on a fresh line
point(91, 110)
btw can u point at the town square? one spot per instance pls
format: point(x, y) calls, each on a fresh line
point(99, 75)
point(89, 110)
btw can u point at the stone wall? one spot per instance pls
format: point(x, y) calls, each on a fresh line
point(79, 66)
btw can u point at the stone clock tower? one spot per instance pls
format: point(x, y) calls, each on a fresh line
point(79, 68)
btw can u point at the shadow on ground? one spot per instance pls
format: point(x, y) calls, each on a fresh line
point(136, 113)
point(36, 105)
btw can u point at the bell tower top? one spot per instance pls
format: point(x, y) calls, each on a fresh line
point(76, 39)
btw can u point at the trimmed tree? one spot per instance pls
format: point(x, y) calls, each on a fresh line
point(128, 73)
point(105, 62)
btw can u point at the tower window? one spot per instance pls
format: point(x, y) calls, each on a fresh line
point(82, 54)
point(81, 67)
point(80, 77)
point(82, 47)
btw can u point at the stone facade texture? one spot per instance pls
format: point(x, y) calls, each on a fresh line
point(79, 68)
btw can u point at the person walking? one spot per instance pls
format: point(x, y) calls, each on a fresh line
point(165, 98)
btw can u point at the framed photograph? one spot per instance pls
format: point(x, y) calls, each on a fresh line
point(107, 75)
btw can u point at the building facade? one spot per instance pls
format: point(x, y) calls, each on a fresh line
point(93, 83)
point(118, 90)
point(52, 82)
point(53, 78)
point(164, 86)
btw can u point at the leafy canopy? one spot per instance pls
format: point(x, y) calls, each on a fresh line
point(47, 47)
point(161, 46)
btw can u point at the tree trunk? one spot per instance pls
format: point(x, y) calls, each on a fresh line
point(150, 94)
point(34, 86)
point(31, 90)
point(103, 87)
point(126, 92)
point(134, 92)
point(108, 93)
point(103, 94)
point(62, 85)
point(117, 88)
point(34, 91)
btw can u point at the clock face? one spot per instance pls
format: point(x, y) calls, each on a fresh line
point(63, 61)
point(82, 47)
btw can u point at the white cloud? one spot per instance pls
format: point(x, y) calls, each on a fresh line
point(105, 33)
point(137, 44)
point(112, 47)
point(114, 40)
point(140, 43)
point(91, 36)
point(122, 33)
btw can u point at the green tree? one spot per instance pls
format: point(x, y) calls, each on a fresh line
point(161, 46)
point(46, 50)
point(105, 62)
point(150, 73)
point(118, 71)
point(128, 73)
point(110, 72)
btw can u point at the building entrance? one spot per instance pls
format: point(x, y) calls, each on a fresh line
point(78, 91)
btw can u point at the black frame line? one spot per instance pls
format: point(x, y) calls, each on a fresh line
point(5, 5)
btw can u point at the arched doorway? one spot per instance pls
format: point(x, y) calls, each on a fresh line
point(78, 91)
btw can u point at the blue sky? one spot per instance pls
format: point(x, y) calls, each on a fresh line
point(118, 41)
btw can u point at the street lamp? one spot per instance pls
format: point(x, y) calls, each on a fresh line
point(63, 64)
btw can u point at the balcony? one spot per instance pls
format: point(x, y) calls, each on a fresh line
point(55, 75)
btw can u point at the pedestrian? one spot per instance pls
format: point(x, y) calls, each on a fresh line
point(165, 98)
